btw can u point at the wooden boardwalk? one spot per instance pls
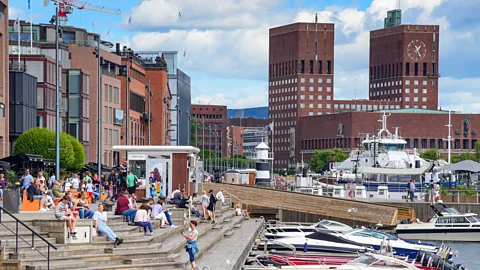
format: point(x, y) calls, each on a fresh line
point(343, 209)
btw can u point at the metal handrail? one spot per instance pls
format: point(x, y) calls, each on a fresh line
point(32, 245)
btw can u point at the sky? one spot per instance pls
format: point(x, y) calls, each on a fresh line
point(226, 41)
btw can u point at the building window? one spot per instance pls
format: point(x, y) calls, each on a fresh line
point(310, 106)
point(415, 82)
point(116, 95)
point(415, 143)
point(311, 80)
point(407, 98)
point(329, 97)
point(329, 89)
point(424, 107)
point(302, 88)
point(302, 80)
point(415, 99)
point(302, 97)
point(457, 144)
point(329, 80)
point(310, 88)
point(407, 82)
point(407, 69)
point(424, 143)
point(415, 70)
point(311, 66)
point(424, 99)
point(310, 113)
point(329, 67)
point(424, 69)
point(302, 105)
point(105, 92)
point(465, 144)
point(2, 110)
point(415, 90)
point(329, 106)
point(310, 97)
point(319, 106)
point(439, 144)
point(319, 89)
point(424, 82)
point(302, 66)
point(424, 90)
point(407, 90)
point(319, 97)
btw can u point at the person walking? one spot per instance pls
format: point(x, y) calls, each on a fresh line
point(82, 206)
point(205, 204)
point(412, 189)
point(220, 196)
point(142, 219)
point(211, 206)
point(191, 246)
point(100, 218)
point(3, 184)
point(131, 183)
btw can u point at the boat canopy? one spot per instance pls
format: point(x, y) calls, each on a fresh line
point(464, 166)
point(390, 171)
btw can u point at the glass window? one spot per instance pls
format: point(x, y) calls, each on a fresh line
point(319, 89)
point(302, 88)
point(415, 99)
point(302, 97)
point(415, 90)
point(407, 90)
point(310, 113)
point(302, 80)
point(329, 97)
point(310, 88)
point(319, 106)
point(310, 106)
point(335, 106)
point(329, 80)
point(105, 92)
point(424, 91)
point(407, 82)
point(329, 106)
point(329, 89)
point(302, 105)
point(424, 99)
point(310, 80)
point(320, 80)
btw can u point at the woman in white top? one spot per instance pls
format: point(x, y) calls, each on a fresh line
point(205, 201)
point(75, 182)
point(100, 218)
point(240, 212)
point(142, 219)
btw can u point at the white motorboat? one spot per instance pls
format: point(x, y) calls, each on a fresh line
point(448, 224)
point(296, 229)
point(314, 242)
point(375, 239)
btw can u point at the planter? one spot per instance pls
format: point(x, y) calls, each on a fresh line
point(11, 199)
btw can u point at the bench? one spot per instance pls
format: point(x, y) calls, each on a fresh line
point(27, 205)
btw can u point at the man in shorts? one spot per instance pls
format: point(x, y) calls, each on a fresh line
point(62, 212)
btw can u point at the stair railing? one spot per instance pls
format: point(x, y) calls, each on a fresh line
point(17, 236)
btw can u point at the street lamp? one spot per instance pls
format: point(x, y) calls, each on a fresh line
point(96, 52)
point(57, 96)
point(147, 86)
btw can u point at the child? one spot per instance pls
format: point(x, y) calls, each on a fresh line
point(48, 203)
point(110, 188)
point(94, 195)
point(153, 189)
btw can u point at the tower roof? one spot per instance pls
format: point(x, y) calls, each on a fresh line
point(262, 146)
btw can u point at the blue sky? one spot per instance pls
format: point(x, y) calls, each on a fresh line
point(227, 40)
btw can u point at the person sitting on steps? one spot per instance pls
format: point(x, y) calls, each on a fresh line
point(100, 218)
point(125, 208)
point(82, 206)
point(142, 219)
point(240, 212)
point(63, 212)
point(159, 213)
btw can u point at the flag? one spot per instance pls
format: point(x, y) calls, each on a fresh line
point(130, 20)
point(185, 53)
point(271, 125)
point(16, 25)
point(28, 4)
point(93, 24)
point(108, 32)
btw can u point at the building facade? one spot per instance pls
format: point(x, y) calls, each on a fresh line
point(404, 62)
point(235, 141)
point(252, 137)
point(4, 90)
point(301, 73)
point(247, 122)
point(421, 129)
point(83, 57)
point(212, 127)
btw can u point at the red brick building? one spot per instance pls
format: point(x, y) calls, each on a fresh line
point(211, 122)
point(235, 140)
point(247, 122)
point(422, 129)
point(404, 65)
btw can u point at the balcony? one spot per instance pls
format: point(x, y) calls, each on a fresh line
point(145, 116)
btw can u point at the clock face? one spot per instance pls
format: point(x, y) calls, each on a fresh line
point(416, 49)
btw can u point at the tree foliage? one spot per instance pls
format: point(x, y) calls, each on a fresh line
point(477, 150)
point(41, 141)
point(321, 158)
point(78, 154)
point(209, 154)
point(431, 154)
point(193, 137)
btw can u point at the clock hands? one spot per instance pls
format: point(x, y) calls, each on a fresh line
point(417, 50)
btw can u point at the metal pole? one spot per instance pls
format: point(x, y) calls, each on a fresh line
point(127, 107)
point(57, 103)
point(203, 144)
point(273, 149)
point(178, 120)
point(210, 140)
point(149, 118)
point(221, 150)
point(449, 144)
point(166, 119)
point(99, 117)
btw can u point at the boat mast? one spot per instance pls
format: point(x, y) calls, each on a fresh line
point(449, 139)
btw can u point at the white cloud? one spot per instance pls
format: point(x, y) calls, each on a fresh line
point(231, 41)
point(213, 14)
point(13, 12)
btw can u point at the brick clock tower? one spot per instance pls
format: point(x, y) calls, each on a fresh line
point(404, 65)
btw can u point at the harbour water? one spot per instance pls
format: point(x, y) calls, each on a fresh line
point(467, 254)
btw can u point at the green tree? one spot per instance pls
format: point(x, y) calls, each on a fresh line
point(78, 154)
point(431, 154)
point(477, 150)
point(193, 137)
point(208, 154)
point(41, 141)
point(467, 156)
point(320, 158)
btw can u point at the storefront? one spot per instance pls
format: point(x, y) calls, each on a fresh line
point(174, 165)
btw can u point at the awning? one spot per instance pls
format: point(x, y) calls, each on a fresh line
point(465, 166)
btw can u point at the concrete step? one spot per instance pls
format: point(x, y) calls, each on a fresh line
point(228, 233)
point(10, 241)
point(169, 258)
point(217, 226)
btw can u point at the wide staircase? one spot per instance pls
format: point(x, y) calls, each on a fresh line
point(163, 250)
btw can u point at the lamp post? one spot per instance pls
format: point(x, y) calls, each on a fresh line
point(127, 106)
point(57, 100)
point(147, 86)
point(99, 110)
point(210, 140)
point(203, 144)
point(177, 107)
point(189, 138)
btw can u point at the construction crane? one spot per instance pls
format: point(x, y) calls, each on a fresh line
point(65, 7)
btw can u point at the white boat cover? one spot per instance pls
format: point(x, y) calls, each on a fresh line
point(465, 166)
point(388, 171)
